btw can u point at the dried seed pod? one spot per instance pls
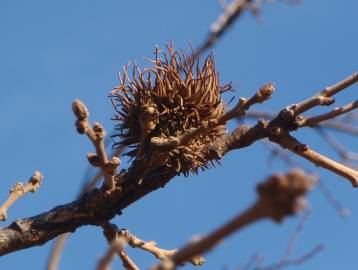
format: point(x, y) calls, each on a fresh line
point(184, 95)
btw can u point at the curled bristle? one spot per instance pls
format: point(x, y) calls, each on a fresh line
point(172, 96)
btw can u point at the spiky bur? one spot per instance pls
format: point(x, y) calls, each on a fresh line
point(165, 101)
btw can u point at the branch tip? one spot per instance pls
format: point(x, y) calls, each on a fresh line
point(19, 190)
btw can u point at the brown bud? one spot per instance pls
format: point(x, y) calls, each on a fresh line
point(80, 110)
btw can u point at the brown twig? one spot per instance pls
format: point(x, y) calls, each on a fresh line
point(289, 142)
point(159, 253)
point(279, 196)
point(224, 21)
point(19, 190)
point(336, 125)
point(314, 121)
point(111, 231)
point(325, 96)
point(117, 243)
point(143, 170)
point(288, 120)
point(96, 134)
point(116, 247)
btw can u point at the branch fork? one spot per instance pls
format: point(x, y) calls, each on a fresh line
point(289, 119)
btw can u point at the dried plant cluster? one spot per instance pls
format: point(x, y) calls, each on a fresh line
point(166, 101)
point(172, 115)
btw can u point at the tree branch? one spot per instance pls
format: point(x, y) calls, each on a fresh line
point(116, 242)
point(279, 196)
point(332, 124)
point(19, 190)
point(289, 142)
point(145, 175)
point(314, 121)
point(325, 96)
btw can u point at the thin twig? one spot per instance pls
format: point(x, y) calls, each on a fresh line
point(159, 253)
point(116, 247)
point(314, 121)
point(325, 96)
point(289, 142)
point(96, 134)
point(111, 231)
point(279, 196)
point(332, 124)
point(295, 237)
point(117, 243)
point(19, 190)
point(224, 21)
point(288, 120)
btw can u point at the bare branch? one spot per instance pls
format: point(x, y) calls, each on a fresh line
point(279, 196)
point(288, 119)
point(330, 124)
point(325, 96)
point(148, 172)
point(117, 243)
point(159, 253)
point(225, 20)
point(19, 190)
point(314, 121)
point(295, 237)
point(289, 142)
point(116, 246)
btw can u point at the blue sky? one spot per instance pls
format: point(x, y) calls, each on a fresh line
point(53, 52)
